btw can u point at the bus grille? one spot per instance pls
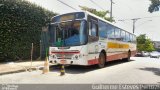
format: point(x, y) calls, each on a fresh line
point(64, 56)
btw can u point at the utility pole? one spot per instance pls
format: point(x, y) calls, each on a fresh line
point(111, 9)
point(134, 22)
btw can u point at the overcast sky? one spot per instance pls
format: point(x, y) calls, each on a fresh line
point(122, 10)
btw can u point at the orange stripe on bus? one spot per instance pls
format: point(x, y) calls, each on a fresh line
point(117, 45)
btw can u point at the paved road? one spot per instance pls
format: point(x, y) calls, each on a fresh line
point(141, 70)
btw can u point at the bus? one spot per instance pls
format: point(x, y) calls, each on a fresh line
point(82, 38)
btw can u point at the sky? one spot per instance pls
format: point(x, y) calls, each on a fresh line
point(122, 10)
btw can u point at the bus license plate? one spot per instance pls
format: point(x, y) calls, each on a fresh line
point(63, 61)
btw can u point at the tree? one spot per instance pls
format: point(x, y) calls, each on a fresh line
point(98, 13)
point(154, 6)
point(148, 45)
point(21, 24)
point(144, 44)
point(140, 42)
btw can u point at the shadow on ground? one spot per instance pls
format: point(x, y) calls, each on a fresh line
point(75, 69)
point(156, 71)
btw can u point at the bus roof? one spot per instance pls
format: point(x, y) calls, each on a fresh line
point(99, 18)
point(105, 21)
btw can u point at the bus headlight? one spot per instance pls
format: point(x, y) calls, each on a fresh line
point(76, 56)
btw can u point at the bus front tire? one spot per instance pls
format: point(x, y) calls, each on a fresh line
point(101, 60)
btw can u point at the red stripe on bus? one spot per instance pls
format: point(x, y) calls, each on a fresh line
point(117, 56)
point(93, 61)
point(112, 57)
point(65, 52)
point(120, 56)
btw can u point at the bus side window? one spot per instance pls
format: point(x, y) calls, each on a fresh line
point(127, 37)
point(134, 39)
point(123, 35)
point(102, 29)
point(110, 32)
point(93, 31)
point(117, 34)
point(131, 38)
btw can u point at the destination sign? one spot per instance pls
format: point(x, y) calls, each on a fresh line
point(70, 16)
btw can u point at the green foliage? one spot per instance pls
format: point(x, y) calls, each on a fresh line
point(149, 45)
point(154, 6)
point(109, 19)
point(98, 13)
point(144, 44)
point(20, 25)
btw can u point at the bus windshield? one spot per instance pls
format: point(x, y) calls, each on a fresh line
point(70, 33)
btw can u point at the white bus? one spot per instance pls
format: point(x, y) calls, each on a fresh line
point(82, 38)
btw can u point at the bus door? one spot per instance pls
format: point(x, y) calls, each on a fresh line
point(93, 39)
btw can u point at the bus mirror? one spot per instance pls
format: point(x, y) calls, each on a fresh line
point(89, 28)
point(90, 32)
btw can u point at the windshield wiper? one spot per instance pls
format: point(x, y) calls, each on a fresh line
point(59, 26)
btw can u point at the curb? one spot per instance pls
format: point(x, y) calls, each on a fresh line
point(24, 70)
point(11, 72)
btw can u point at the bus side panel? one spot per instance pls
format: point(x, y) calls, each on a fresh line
point(118, 50)
point(116, 56)
point(93, 53)
point(133, 49)
point(94, 50)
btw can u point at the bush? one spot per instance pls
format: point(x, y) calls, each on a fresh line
point(20, 25)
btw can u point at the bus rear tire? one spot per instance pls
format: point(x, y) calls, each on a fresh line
point(101, 60)
point(128, 57)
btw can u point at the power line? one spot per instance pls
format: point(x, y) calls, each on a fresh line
point(143, 23)
point(138, 18)
point(134, 20)
point(151, 17)
point(67, 5)
point(97, 5)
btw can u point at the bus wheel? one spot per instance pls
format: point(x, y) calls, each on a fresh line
point(128, 58)
point(101, 60)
